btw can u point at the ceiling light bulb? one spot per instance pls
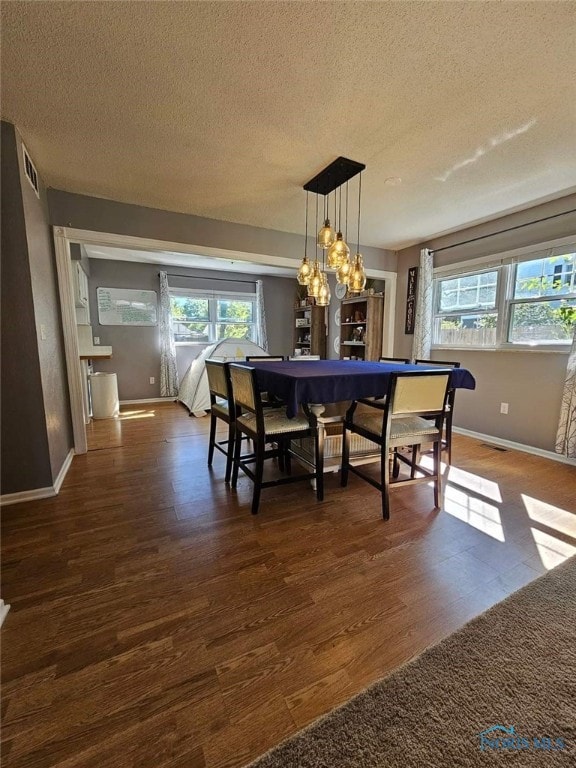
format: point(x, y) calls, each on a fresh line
point(338, 252)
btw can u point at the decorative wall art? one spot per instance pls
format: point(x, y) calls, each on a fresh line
point(411, 300)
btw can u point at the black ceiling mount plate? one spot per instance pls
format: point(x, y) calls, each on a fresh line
point(333, 176)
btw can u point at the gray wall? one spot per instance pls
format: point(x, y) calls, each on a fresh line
point(92, 213)
point(36, 427)
point(136, 349)
point(531, 382)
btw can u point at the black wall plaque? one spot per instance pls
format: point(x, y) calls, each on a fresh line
point(411, 300)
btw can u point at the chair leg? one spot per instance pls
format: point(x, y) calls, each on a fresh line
point(320, 463)
point(258, 473)
point(385, 482)
point(212, 439)
point(415, 460)
point(345, 458)
point(236, 463)
point(437, 475)
point(448, 428)
point(230, 451)
point(287, 457)
point(395, 464)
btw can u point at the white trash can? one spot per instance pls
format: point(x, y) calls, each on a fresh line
point(104, 393)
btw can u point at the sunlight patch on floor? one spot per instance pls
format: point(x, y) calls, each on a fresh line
point(475, 512)
point(552, 551)
point(474, 483)
point(129, 415)
point(552, 517)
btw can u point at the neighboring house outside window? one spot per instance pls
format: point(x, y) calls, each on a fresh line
point(530, 303)
point(202, 317)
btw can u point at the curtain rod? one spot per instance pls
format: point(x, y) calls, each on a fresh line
point(502, 231)
point(224, 279)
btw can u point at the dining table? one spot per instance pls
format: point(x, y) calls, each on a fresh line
point(315, 383)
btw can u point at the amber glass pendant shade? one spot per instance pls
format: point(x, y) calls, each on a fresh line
point(338, 252)
point(326, 235)
point(357, 279)
point(315, 280)
point(324, 295)
point(304, 272)
point(344, 271)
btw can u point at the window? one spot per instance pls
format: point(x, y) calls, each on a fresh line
point(205, 317)
point(543, 304)
point(531, 303)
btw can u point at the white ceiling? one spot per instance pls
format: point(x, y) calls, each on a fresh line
point(225, 109)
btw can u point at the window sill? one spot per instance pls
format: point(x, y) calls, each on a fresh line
point(562, 349)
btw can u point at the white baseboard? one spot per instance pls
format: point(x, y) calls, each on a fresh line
point(515, 446)
point(149, 400)
point(4, 608)
point(63, 471)
point(40, 493)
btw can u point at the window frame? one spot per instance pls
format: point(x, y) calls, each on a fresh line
point(213, 322)
point(506, 269)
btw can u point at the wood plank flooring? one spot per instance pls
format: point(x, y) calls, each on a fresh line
point(155, 622)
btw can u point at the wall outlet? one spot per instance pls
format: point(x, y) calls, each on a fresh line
point(96, 340)
point(504, 408)
point(152, 380)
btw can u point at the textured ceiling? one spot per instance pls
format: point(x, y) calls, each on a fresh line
point(225, 109)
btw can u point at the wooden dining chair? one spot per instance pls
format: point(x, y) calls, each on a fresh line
point(221, 407)
point(447, 440)
point(267, 400)
point(267, 427)
point(393, 360)
point(412, 414)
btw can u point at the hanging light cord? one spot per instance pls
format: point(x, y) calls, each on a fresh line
point(306, 236)
point(346, 235)
point(359, 200)
point(316, 225)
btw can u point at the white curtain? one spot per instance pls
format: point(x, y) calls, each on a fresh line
point(566, 436)
point(422, 341)
point(262, 336)
point(168, 368)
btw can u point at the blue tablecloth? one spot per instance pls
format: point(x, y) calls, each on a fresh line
point(332, 381)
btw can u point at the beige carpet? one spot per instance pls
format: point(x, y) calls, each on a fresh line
point(514, 666)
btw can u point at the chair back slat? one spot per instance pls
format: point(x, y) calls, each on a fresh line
point(439, 363)
point(420, 393)
point(404, 360)
point(244, 389)
point(266, 358)
point(217, 378)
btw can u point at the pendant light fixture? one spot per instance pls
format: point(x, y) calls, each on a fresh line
point(305, 270)
point(357, 279)
point(334, 248)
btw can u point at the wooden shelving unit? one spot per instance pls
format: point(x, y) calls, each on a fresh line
point(361, 320)
point(310, 330)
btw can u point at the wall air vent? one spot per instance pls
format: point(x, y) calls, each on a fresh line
point(30, 171)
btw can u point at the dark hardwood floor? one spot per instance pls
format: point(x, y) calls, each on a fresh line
point(155, 622)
